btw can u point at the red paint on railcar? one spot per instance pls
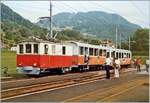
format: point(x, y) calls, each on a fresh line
point(46, 61)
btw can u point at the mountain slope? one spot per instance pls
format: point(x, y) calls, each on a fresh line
point(16, 28)
point(97, 23)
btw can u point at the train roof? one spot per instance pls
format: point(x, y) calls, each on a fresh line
point(75, 43)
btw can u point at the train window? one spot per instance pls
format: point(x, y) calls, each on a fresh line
point(91, 51)
point(28, 48)
point(95, 52)
point(45, 49)
point(81, 50)
point(125, 55)
point(129, 55)
point(104, 53)
point(119, 55)
point(112, 53)
point(86, 50)
point(53, 49)
point(108, 54)
point(63, 50)
point(20, 48)
point(122, 55)
point(100, 52)
point(35, 48)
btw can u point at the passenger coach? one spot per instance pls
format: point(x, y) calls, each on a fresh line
point(36, 57)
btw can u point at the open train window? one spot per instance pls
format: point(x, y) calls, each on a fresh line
point(20, 48)
point(45, 49)
point(91, 51)
point(95, 52)
point(81, 50)
point(100, 52)
point(63, 50)
point(35, 48)
point(28, 48)
point(86, 50)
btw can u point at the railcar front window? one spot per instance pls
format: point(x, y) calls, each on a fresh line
point(21, 49)
point(63, 50)
point(45, 49)
point(35, 48)
point(28, 48)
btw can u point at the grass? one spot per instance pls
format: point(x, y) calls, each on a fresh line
point(8, 59)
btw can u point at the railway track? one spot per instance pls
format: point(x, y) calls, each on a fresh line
point(27, 90)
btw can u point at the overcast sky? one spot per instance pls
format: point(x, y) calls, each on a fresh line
point(134, 11)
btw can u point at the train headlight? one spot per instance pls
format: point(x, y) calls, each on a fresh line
point(34, 64)
point(20, 64)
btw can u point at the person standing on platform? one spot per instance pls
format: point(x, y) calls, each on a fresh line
point(107, 67)
point(147, 65)
point(117, 67)
point(138, 63)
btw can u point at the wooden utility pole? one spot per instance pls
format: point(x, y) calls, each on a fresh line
point(116, 37)
point(50, 26)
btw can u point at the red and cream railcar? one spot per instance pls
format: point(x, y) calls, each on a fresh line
point(35, 57)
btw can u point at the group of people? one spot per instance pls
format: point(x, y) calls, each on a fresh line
point(115, 63)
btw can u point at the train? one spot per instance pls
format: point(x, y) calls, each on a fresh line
point(42, 56)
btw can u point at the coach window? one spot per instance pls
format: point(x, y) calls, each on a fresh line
point(108, 54)
point(86, 50)
point(91, 51)
point(128, 55)
point(81, 50)
point(122, 55)
point(20, 48)
point(28, 48)
point(95, 52)
point(63, 50)
point(119, 55)
point(104, 53)
point(100, 52)
point(35, 48)
point(45, 49)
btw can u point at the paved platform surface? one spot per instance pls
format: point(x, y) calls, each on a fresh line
point(127, 88)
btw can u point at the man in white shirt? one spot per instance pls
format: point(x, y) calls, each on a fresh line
point(117, 67)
